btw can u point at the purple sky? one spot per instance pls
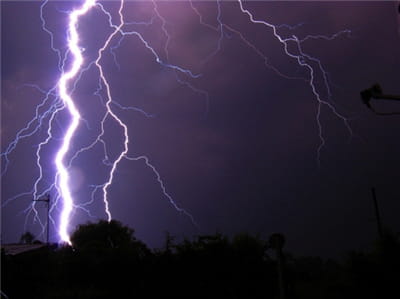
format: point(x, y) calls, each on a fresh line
point(246, 160)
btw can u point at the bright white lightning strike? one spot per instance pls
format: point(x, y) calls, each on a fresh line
point(73, 40)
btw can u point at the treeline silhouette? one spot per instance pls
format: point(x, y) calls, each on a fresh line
point(108, 261)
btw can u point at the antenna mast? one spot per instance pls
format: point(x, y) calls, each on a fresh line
point(47, 200)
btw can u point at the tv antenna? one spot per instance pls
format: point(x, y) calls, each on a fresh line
point(46, 199)
point(375, 92)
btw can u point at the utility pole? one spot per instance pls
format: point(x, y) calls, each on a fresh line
point(377, 215)
point(46, 199)
point(277, 241)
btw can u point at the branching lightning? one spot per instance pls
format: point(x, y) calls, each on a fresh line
point(60, 99)
point(301, 59)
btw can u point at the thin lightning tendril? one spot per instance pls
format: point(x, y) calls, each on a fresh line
point(123, 154)
point(301, 60)
point(110, 111)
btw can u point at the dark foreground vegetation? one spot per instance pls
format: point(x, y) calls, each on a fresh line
point(107, 261)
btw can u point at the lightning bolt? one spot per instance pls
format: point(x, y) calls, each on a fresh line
point(59, 99)
point(62, 171)
point(63, 181)
point(61, 95)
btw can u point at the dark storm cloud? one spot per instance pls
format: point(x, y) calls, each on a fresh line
point(249, 163)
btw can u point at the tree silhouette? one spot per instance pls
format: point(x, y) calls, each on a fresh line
point(27, 238)
point(107, 235)
point(107, 261)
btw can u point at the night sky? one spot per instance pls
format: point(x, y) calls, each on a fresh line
point(243, 160)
